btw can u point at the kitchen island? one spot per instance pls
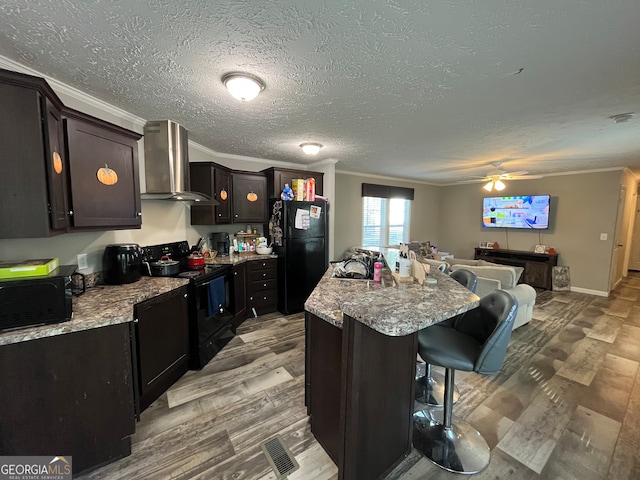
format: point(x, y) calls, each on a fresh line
point(361, 347)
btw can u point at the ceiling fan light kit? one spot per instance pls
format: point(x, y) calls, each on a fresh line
point(495, 184)
point(243, 86)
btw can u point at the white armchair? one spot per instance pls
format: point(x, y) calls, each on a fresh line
point(492, 276)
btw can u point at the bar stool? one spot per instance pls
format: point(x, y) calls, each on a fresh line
point(477, 342)
point(430, 385)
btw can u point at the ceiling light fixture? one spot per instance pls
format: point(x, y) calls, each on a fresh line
point(310, 148)
point(243, 86)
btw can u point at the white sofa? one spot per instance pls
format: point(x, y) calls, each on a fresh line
point(492, 276)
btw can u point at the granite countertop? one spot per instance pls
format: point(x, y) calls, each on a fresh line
point(391, 308)
point(100, 306)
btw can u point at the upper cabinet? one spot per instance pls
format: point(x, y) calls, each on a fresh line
point(213, 180)
point(103, 173)
point(277, 177)
point(61, 170)
point(250, 199)
point(33, 162)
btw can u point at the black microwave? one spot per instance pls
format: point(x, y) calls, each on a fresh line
point(34, 301)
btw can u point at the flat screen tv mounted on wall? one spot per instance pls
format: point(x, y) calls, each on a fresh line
point(522, 211)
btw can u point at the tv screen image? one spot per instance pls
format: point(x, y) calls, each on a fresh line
point(523, 211)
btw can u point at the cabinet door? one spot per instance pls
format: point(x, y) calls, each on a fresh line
point(239, 293)
point(103, 171)
point(162, 331)
point(223, 195)
point(56, 165)
point(249, 198)
point(69, 393)
point(215, 181)
point(32, 197)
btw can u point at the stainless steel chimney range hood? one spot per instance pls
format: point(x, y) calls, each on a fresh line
point(166, 164)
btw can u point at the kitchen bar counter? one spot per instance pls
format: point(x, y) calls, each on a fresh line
point(98, 307)
point(391, 308)
point(361, 344)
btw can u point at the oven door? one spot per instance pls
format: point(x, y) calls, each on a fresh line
point(209, 333)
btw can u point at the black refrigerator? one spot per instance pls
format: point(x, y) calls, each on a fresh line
point(299, 234)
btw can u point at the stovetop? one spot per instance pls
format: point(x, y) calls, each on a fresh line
point(180, 251)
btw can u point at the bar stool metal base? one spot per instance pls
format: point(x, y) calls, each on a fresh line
point(458, 449)
point(430, 389)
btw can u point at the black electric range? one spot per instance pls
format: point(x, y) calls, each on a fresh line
point(210, 329)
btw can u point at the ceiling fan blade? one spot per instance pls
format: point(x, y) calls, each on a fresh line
point(524, 177)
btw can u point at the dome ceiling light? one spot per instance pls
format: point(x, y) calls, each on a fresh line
point(243, 86)
point(310, 148)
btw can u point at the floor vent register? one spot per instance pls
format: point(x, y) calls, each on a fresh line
point(279, 457)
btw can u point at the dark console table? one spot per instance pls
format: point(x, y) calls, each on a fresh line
point(537, 266)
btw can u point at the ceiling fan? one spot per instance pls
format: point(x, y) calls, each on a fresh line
point(495, 178)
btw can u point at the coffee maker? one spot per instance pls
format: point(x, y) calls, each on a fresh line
point(220, 242)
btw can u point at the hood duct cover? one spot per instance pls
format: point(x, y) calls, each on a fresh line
point(166, 163)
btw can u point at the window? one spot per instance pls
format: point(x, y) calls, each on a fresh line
point(385, 221)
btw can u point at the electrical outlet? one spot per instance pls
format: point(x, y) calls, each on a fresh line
point(603, 236)
point(82, 261)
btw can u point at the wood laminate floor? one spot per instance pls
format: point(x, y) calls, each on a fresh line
point(566, 404)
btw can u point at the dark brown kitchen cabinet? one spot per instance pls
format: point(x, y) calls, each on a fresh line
point(250, 199)
point(104, 187)
point(161, 343)
point(59, 166)
point(277, 177)
point(70, 393)
point(262, 286)
point(215, 181)
point(33, 165)
point(239, 293)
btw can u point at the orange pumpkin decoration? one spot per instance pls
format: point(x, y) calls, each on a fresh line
point(252, 197)
point(107, 176)
point(223, 194)
point(57, 163)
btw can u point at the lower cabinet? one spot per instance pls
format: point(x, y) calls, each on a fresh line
point(70, 394)
point(239, 293)
point(161, 344)
point(262, 286)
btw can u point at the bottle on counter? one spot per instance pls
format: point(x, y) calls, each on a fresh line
point(377, 272)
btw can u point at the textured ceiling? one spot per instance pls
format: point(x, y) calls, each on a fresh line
point(418, 89)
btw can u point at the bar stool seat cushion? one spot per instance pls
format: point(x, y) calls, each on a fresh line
point(449, 348)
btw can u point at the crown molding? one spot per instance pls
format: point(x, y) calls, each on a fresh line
point(261, 161)
point(63, 88)
point(385, 177)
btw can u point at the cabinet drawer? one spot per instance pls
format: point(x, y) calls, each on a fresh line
point(263, 298)
point(266, 264)
point(261, 275)
point(263, 285)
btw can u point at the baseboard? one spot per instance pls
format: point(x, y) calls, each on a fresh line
point(599, 293)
